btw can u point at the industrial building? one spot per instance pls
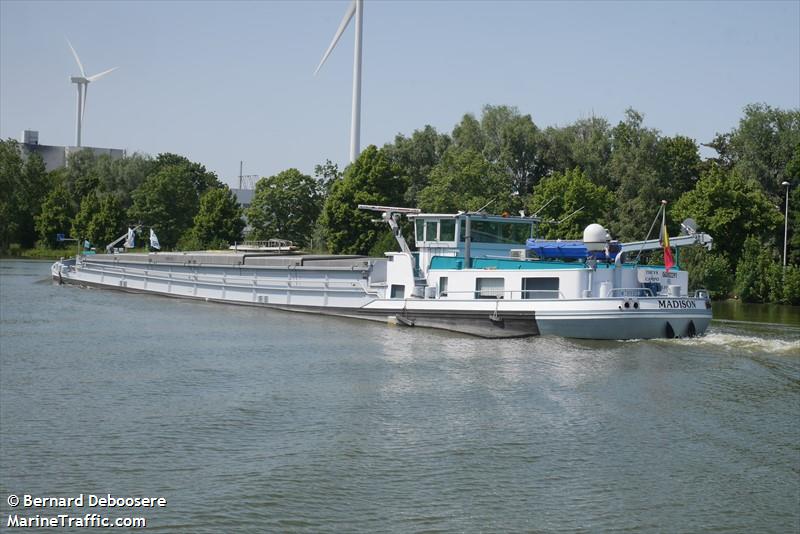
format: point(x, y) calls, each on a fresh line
point(55, 157)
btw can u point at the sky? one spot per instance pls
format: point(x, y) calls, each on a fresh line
point(224, 82)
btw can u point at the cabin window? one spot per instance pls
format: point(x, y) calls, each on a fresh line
point(496, 231)
point(447, 230)
point(489, 288)
point(442, 286)
point(398, 291)
point(419, 227)
point(431, 230)
point(540, 288)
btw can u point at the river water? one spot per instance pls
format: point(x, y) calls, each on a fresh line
point(251, 420)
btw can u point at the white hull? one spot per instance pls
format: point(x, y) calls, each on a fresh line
point(360, 288)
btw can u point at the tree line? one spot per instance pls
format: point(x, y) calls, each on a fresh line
point(615, 175)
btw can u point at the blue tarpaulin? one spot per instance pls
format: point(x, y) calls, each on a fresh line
point(569, 250)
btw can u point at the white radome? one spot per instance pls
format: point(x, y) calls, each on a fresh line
point(595, 237)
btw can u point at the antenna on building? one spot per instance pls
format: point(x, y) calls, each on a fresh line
point(240, 173)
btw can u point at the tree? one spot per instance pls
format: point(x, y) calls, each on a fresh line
point(586, 144)
point(23, 186)
point(55, 216)
point(635, 176)
point(326, 174)
point(218, 222)
point(507, 139)
point(792, 175)
point(522, 151)
point(570, 191)
point(100, 219)
point(729, 208)
point(762, 145)
point(464, 180)
point(416, 156)
point(758, 275)
point(166, 201)
point(371, 179)
point(80, 175)
point(201, 179)
point(285, 206)
point(121, 177)
point(678, 162)
point(707, 270)
point(468, 134)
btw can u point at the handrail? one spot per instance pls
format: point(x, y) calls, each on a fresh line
point(493, 293)
point(231, 281)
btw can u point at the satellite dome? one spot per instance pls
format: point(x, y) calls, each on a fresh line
point(595, 237)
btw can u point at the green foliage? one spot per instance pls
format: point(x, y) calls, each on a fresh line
point(585, 144)
point(201, 179)
point(707, 270)
point(121, 177)
point(729, 208)
point(326, 174)
point(100, 220)
point(166, 201)
point(417, 156)
point(570, 191)
point(468, 134)
point(55, 216)
point(793, 247)
point(508, 140)
point(635, 177)
point(218, 222)
point(791, 285)
point(386, 242)
point(285, 206)
point(464, 180)
point(761, 147)
point(678, 162)
point(758, 274)
point(371, 179)
point(81, 175)
point(23, 186)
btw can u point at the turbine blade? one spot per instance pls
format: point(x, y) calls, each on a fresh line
point(98, 76)
point(74, 53)
point(342, 26)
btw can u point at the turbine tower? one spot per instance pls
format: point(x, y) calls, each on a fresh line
point(82, 82)
point(356, 8)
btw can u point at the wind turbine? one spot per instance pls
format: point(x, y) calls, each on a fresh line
point(356, 8)
point(82, 82)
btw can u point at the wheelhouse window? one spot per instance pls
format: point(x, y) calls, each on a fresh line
point(489, 288)
point(540, 288)
point(483, 231)
point(398, 291)
point(431, 230)
point(447, 230)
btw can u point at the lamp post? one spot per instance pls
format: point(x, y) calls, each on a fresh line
point(785, 222)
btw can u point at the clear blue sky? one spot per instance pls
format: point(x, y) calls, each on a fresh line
point(221, 82)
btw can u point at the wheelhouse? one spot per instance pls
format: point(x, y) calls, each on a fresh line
point(469, 235)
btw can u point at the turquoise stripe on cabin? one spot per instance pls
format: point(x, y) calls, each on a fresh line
point(450, 262)
point(457, 263)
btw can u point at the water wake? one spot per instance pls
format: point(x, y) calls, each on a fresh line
point(744, 343)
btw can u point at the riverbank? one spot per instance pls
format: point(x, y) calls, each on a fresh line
point(46, 253)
